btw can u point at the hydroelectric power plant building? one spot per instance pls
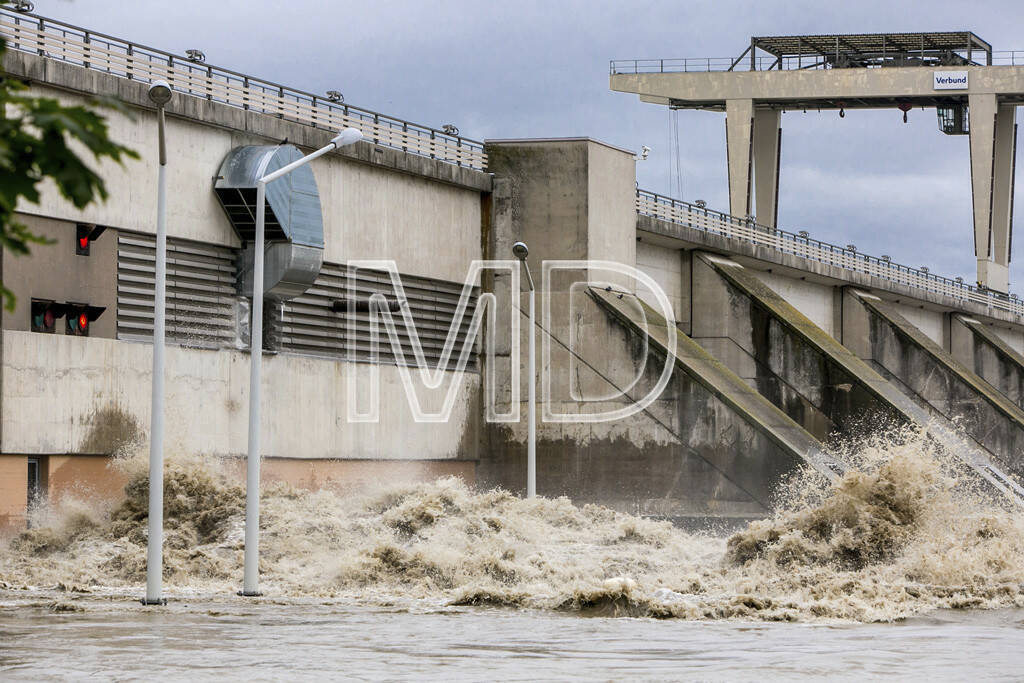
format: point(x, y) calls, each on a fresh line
point(780, 340)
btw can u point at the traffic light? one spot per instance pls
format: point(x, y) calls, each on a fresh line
point(45, 315)
point(85, 235)
point(80, 317)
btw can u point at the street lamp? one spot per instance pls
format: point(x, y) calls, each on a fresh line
point(251, 578)
point(160, 95)
point(520, 251)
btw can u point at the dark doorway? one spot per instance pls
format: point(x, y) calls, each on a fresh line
point(36, 483)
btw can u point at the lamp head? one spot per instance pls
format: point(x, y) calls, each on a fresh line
point(160, 93)
point(349, 136)
point(520, 250)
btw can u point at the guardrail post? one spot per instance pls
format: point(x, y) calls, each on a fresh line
point(376, 123)
point(433, 145)
point(42, 45)
point(458, 155)
point(280, 103)
point(209, 83)
point(245, 92)
point(131, 62)
point(85, 57)
point(313, 112)
point(405, 135)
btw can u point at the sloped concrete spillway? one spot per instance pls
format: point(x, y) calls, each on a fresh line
point(988, 355)
point(710, 446)
point(821, 383)
point(697, 364)
point(930, 375)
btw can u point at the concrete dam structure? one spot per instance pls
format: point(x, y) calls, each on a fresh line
point(772, 344)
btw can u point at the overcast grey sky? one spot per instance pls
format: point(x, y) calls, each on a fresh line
point(540, 69)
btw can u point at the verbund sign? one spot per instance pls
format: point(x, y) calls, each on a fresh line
point(949, 80)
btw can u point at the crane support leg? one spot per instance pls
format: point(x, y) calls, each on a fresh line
point(767, 144)
point(993, 152)
point(739, 125)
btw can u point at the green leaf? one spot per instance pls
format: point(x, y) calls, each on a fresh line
point(34, 146)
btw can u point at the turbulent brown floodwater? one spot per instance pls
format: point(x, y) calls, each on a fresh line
point(903, 534)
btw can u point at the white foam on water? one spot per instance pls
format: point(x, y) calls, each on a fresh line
point(904, 531)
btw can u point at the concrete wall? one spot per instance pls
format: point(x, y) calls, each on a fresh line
point(814, 300)
point(55, 272)
point(611, 203)
point(568, 198)
point(932, 323)
point(71, 396)
point(688, 455)
point(368, 211)
point(84, 477)
point(980, 348)
point(1014, 338)
point(691, 453)
point(789, 359)
point(669, 268)
point(85, 395)
point(932, 375)
point(80, 399)
point(13, 491)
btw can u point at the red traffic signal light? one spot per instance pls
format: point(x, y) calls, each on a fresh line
point(85, 235)
point(79, 317)
point(44, 315)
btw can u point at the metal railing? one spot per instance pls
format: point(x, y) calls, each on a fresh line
point(761, 63)
point(718, 223)
point(74, 45)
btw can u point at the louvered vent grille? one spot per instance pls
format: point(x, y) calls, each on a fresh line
point(202, 295)
point(308, 325)
point(200, 291)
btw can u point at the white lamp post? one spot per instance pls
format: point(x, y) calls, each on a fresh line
point(251, 579)
point(520, 251)
point(160, 95)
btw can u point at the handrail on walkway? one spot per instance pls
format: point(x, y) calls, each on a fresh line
point(801, 244)
point(761, 63)
point(32, 33)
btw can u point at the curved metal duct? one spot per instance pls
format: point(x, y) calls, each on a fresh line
point(294, 229)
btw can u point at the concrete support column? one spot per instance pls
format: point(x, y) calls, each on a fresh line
point(1002, 183)
point(739, 126)
point(993, 136)
point(767, 147)
point(568, 198)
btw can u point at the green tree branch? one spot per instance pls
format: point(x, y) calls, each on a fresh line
point(35, 137)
